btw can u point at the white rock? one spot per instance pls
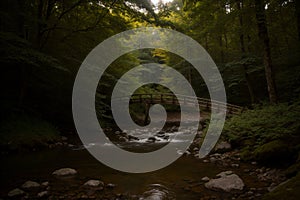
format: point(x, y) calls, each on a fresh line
point(235, 165)
point(205, 178)
point(42, 194)
point(226, 183)
point(45, 184)
point(111, 185)
point(226, 173)
point(179, 152)
point(93, 183)
point(223, 146)
point(64, 172)
point(58, 144)
point(15, 192)
point(155, 194)
point(30, 184)
point(195, 149)
point(213, 159)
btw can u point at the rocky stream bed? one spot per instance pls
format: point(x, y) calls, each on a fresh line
point(68, 171)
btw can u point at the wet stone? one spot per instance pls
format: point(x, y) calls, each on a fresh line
point(45, 184)
point(94, 183)
point(226, 182)
point(15, 192)
point(64, 172)
point(43, 194)
point(235, 165)
point(30, 184)
point(205, 178)
point(110, 185)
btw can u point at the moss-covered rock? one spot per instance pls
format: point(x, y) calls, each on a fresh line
point(293, 169)
point(275, 153)
point(246, 154)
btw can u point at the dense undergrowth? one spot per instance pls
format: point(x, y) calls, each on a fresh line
point(24, 132)
point(269, 134)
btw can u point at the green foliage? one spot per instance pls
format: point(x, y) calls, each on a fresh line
point(15, 50)
point(288, 75)
point(26, 132)
point(266, 132)
point(235, 81)
point(69, 30)
point(30, 79)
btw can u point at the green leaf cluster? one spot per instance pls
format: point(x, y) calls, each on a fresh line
point(266, 131)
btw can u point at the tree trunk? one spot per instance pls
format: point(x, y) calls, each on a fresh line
point(249, 43)
point(20, 16)
point(249, 85)
point(297, 6)
point(221, 49)
point(226, 41)
point(146, 114)
point(39, 22)
point(206, 42)
point(243, 50)
point(264, 37)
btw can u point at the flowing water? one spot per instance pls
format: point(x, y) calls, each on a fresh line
point(180, 180)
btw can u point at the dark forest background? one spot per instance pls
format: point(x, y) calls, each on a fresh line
point(255, 44)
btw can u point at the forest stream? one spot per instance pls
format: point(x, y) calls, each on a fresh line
point(68, 66)
point(184, 179)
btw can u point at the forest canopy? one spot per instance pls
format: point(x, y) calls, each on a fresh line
point(254, 43)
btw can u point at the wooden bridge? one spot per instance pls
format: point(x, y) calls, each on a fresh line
point(171, 99)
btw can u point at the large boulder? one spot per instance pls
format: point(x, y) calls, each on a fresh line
point(65, 172)
point(227, 182)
